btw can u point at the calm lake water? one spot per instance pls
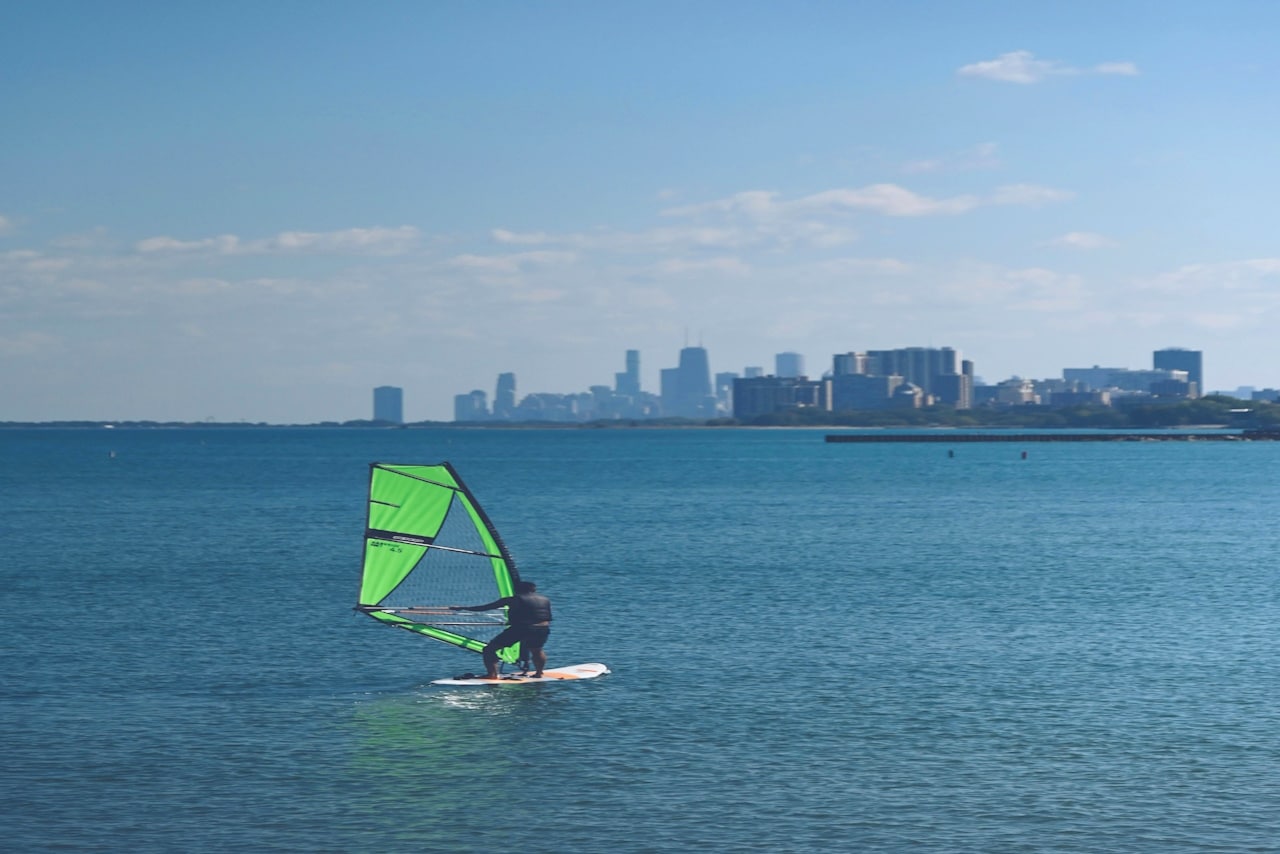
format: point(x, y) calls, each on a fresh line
point(815, 647)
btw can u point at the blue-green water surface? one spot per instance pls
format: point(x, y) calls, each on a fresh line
point(815, 647)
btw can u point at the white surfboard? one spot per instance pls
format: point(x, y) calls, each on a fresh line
point(555, 674)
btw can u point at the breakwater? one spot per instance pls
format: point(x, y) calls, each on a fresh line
point(953, 436)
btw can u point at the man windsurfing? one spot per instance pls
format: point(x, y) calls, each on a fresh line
point(528, 623)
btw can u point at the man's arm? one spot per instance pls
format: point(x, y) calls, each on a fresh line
point(497, 603)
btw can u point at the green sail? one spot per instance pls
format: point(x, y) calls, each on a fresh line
point(429, 545)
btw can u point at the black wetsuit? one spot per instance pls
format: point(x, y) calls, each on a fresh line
point(528, 623)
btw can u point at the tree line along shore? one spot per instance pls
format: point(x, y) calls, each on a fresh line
point(1210, 411)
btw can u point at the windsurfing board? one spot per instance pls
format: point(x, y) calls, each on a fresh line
point(556, 674)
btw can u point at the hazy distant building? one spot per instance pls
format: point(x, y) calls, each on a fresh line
point(986, 395)
point(686, 389)
point(788, 365)
point(544, 406)
point(1016, 392)
point(1079, 398)
point(859, 391)
point(1097, 378)
point(1124, 379)
point(470, 407)
point(955, 389)
point(504, 397)
point(388, 404)
point(907, 396)
point(937, 372)
point(598, 403)
point(1178, 359)
point(844, 364)
point(756, 396)
point(1177, 386)
point(724, 392)
point(752, 371)
point(628, 382)
point(917, 365)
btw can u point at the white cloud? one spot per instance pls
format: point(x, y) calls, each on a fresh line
point(48, 265)
point(885, 199)
point(1029, 195)
point(1084, 240)
point(20, 255)
point(1255, 274)
point(6, 224)
point(761, 220)
point(1021, 66)
point(756, 204)
point(511, 264)
point(726, 266)
point(1018, 66)
point(351, 241)
point(538, 295)
point(978, 157)
point(199, 286)
point(529, 239)
point(377, 241)
point(31, 261)
point(731, 236)
point(225, 244)
point(848, 266)
point(1127, 69)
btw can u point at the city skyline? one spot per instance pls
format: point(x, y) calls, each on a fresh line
point(851, 381)
point(218, 213)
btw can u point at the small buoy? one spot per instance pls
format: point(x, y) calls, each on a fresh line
point(1024, 455)
point(951, 454)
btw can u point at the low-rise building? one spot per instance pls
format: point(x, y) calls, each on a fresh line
point(756, 396)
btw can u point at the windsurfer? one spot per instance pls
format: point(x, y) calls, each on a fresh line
point(528, 623)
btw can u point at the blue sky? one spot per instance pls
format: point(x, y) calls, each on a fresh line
point(261, 211)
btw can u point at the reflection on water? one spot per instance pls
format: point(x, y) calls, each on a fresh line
point(444, 762)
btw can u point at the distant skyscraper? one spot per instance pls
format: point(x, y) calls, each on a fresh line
point(853, 391)
point(759, 396)
point(724, 391)
point(932, 369)
point(686, 390)
point(788, 365)
point(1178, 359)
point(504, 397)
point(843, 364)
point(628, 382)
point(388, 404)
point(1096, 378)
point(751, 372)
point(470, 407)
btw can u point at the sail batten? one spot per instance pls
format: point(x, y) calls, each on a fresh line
point(428, 544)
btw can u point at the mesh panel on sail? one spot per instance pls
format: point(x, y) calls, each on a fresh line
point(443, 577)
